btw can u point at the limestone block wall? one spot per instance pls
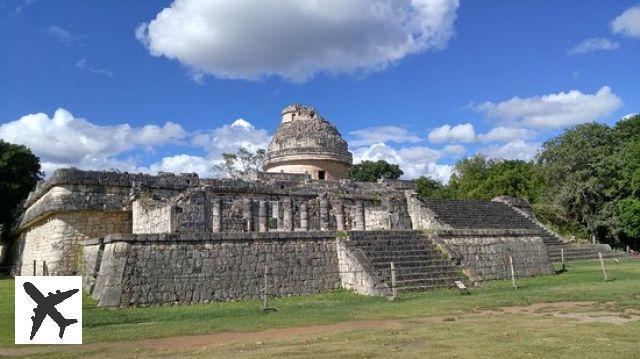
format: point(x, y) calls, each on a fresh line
point(485, 253)
point(377, 218)
point(91, 258)
point(219, 209)
point(357, 272)
point(154, 269)
point(149, 216)
point(333, 170)
point(421, 216)
point(56, 240)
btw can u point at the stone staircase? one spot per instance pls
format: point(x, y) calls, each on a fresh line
point(557, 246)
point(419, 264)
point(476, 214)
point(472, 214)
point(575, 252)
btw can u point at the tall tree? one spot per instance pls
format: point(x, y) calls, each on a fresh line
point(370, 171)
point(479, 178)
point(584, 178)
point(19, 173)
point(239, 164)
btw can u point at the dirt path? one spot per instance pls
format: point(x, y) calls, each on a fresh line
point(584, 312)
point(207, 340)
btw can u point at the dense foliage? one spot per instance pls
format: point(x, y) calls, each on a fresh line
point(19, 173)
point(585, 181)
point(240, 164)
point(372, 171)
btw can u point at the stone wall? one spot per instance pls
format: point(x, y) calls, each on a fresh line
point(421, 216)
point(485, 253)
point(156, 269)
point(357, 272)
point(56, 240)
point(149, 216)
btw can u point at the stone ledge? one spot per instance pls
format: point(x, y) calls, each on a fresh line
point(487, 232)
point(65, 176)
point(202, 237)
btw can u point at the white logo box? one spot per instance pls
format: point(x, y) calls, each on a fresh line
point(69, 309)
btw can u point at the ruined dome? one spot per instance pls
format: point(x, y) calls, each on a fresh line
point(303, 139)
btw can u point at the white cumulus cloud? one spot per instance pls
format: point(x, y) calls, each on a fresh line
point(592, 45)
point(554, 110)
point(228, 138)
point(456, 150)
point(415, 161)
point(628, 23)
point(379, 134)
point(504, 134)
point(294, 39)
point(64, 140)
point(183, 163)
point(459, 133)
point(514, 150)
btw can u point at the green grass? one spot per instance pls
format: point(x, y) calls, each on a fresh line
point(582, 282)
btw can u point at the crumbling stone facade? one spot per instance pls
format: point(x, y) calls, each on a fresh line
point(306, 143)
point(140, 239)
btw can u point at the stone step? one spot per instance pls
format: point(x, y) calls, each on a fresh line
point(411, 262)
point(400, 283)
point(412, 271)
point(418, 261)
point(421, 288)
point(394, 243)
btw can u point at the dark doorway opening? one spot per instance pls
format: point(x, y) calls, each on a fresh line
point(321, 175)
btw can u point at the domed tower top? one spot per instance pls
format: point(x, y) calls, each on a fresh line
point(307, 143)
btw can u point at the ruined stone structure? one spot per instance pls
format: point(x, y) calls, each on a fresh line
point(139, 239)
point(308, 144)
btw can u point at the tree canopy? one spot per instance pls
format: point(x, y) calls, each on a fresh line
point(19, 173)
point(371, 171)
point(586, 180)
point(239, 164)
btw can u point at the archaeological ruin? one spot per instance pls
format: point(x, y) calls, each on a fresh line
point(301, 226)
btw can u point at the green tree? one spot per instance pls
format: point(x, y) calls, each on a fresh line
point(239, 164)
point(372, 171)
point(629, 209)
point(19, 173)
point(468, 177)
point(583, 173)
point(430, 188)
point(515, 178)
point(479, 178)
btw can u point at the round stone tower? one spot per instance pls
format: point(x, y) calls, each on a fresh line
point(307, 143)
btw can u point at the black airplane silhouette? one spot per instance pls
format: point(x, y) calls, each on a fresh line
point(47, 306)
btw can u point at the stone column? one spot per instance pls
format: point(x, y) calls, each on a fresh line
point(247, 214)
point(262, 216)
point(217, 215)
point(304, 216)
point(339, 216)
point(324, 215)
point(360, 216)
point(287, 214)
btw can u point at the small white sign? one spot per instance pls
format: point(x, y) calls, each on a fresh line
point(48, 310)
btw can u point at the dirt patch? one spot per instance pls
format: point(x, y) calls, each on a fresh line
point(269, 334)
point(204, 341)
point(584, 312)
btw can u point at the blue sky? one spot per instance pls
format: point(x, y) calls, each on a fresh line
point(159, 85)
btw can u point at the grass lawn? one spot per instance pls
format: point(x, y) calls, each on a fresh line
point(341, 324)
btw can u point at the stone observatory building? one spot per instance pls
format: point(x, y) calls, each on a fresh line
point(307, 143)
point(139, 239)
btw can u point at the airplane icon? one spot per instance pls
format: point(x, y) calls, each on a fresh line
point(47, 306)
